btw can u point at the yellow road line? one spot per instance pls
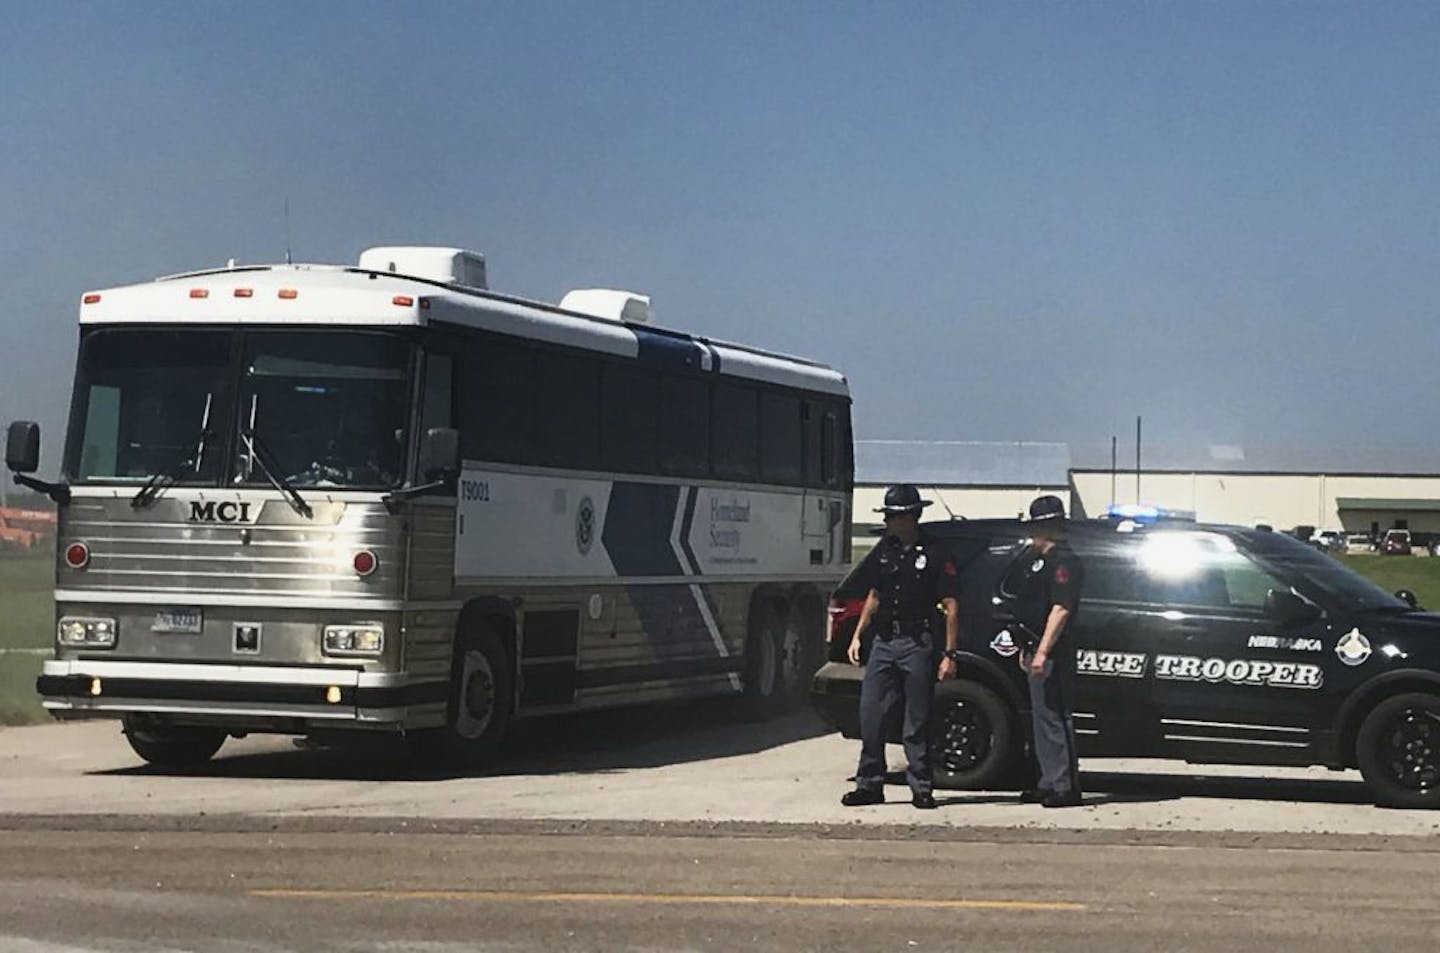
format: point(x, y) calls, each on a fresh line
point(778, 900)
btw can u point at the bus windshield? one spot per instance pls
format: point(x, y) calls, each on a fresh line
point(331, 408)
point(148, 402)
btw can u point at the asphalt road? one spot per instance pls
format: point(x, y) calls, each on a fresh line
point(690, 764)
point(672, 829)
point(65, 891)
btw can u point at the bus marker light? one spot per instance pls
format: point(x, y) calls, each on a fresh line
point(95, 686)
point(199, 293)
point(77, 555)
point(332, 694)
point(404, 301)
point(90, 299)
point(244, 292)
point(365, 562)
point(289, 294)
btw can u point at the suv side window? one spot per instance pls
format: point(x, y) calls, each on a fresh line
point(1199, 569)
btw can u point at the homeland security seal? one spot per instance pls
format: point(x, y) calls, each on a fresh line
point(585, 525)
point(1353, 648)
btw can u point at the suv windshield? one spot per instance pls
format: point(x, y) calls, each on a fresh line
point(1354, 590)
point(331, 407)
point(144, 400)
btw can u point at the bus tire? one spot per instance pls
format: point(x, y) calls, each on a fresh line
point(171, 746)
point(762, 676)
point(1398, 751)
point(481, 702)
point(975, 741)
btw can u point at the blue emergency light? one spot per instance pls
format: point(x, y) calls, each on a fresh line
point(1144, 513)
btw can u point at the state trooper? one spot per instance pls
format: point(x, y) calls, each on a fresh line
point(906, 575)
point(1047, 597)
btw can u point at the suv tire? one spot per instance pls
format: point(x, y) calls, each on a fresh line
point(974, 736)
point(1398, 750)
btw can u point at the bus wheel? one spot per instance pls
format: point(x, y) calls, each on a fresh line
point(171, 746)
point(802, 652)
point(974, 742)
point(763, 678)
point(478, 715)
point(1398, 749)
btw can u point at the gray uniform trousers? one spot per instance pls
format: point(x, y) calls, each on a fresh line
point(1052, 697)
point(900, 671)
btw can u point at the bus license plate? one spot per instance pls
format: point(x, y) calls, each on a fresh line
point(188, 621)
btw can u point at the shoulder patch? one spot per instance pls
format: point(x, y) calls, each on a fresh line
point(1062, 574)
point(950, 569)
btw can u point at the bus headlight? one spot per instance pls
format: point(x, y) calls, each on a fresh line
point(354, 639)
point(88, 631)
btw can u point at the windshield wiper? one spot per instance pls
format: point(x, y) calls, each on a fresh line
point(261, 455)
point(161, 481)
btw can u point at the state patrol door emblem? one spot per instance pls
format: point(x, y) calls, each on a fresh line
point(1353, 648)
point(1004, 644)
point(585, 525)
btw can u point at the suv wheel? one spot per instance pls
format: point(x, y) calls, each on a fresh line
point(974, 738)
point(1398, 749)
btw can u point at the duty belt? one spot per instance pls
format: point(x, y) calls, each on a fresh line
point(898, 629)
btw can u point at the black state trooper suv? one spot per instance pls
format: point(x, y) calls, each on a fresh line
point(1208, 644)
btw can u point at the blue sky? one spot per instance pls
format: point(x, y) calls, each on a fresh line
point(1002, 221)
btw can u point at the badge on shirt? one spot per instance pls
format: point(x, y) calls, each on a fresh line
point(1037, 565)
point(920, 561)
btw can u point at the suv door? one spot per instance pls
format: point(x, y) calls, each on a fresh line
point(1113, 707)
point(1228, 683)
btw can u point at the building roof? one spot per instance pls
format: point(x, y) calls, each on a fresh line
point(1333, 459)
point(962, 463)
point(1380, 503)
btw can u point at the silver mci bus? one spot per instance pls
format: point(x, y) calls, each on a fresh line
point(298, 499)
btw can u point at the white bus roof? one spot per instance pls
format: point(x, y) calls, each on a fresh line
point(336, 295)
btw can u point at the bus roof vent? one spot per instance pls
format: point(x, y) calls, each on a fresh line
point(610, 304)
point(451, 266)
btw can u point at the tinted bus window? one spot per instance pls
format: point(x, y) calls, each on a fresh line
point(781, 441)
point(497, 419)
point(630, 419)
point(684, 426)
point(568, 405)
point(734, 432)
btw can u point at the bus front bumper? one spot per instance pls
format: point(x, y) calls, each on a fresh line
point(71, 687)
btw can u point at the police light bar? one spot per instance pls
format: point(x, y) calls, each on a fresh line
point(1144, 513)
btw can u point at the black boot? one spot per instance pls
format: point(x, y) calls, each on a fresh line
point(862, 796)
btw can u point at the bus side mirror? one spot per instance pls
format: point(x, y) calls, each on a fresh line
point(1407, 597)
point(22, 447)
point(440, 454)
point(1288, 609)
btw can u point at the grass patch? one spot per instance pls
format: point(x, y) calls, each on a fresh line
point(19, 705)
point(27, 621)
point(1419, 574)
point(27, 605)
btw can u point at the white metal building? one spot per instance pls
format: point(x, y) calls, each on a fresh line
point(971, 479)
point(1336, 488)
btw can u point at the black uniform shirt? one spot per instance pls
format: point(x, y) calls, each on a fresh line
point(909, 581)
point(1041, 580)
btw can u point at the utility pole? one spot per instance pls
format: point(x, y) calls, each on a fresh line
point(1137, 460)
point(1114, 442)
